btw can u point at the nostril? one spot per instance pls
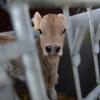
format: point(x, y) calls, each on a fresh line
point(48, 49)
point(57, 48)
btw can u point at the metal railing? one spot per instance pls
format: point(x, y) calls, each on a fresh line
point(18, 10)
point(74, 47)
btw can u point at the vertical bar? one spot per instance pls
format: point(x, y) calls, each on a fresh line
point(6, 90)
point(77, 83)
point(68, 26)
point(70, 42)
point(92, 34)
point(21, 22)
point(79, 37)
point(97, 39)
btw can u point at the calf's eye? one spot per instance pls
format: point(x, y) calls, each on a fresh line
point(40, 31)
point(64, 31)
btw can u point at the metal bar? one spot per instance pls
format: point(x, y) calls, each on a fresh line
point(8, 33)
point(78, 39)
point(14, 49)
point(94, 94)
point(97, 39)
point(92, 34)
point(77, 83)
point(6, 90)
point(69, 28)
point(35, 34)
point(58, 3)
point(70, 42)
point(21, 22)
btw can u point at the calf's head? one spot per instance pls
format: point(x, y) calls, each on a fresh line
point(52, 29)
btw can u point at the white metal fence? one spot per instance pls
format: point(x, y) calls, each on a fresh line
point(19, 12)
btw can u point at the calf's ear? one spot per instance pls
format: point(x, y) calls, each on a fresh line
point(36, 20)
point(61, 16)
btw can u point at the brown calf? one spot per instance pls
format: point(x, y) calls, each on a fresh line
point(52, 28)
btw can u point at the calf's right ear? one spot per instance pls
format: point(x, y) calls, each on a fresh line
point(36, 20)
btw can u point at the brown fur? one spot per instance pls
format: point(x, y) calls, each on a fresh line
point(6, 38)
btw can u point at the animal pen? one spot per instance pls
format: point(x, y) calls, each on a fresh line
point(78, 26)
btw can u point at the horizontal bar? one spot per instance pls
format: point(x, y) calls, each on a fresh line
point(35, 34)
point(7, 33)
point(94, 94)
point(14, 49)
point(58, 3)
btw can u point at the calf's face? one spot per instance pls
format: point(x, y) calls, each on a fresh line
point(52, 29)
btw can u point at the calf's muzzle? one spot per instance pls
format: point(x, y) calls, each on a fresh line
point(52, 49)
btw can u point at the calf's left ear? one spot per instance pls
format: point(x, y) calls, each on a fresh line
point(36, 20)
point(61, 16)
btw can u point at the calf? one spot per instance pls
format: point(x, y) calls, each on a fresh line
point(50, 47)
point(52, 29)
